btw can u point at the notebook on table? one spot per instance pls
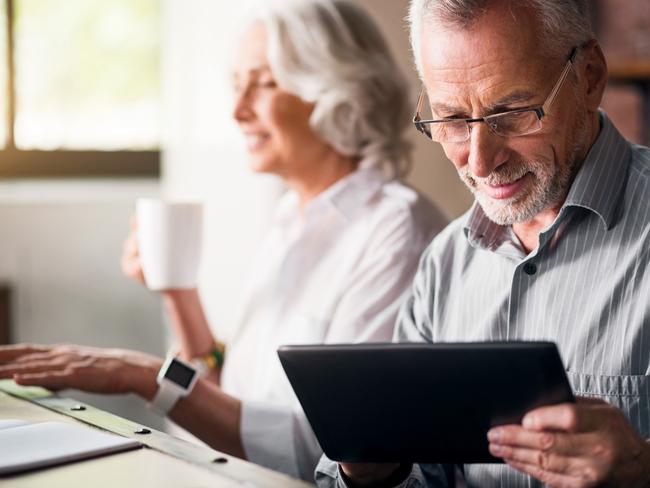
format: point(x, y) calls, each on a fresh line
point(25, 446)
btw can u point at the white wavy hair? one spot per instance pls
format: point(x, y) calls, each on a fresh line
point(563, 23)
point(332, 54)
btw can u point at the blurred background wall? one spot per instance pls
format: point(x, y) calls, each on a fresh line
point(59, 254)
point(61, 238)
point(623, 28)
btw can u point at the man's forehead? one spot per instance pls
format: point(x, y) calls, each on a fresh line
point(444, 105)
point(473, 52)
point(492, 62)
point(501, 37)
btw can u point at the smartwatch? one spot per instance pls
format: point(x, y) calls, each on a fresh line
point(176, 379)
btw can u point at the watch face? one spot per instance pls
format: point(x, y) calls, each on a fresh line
point(179, 374)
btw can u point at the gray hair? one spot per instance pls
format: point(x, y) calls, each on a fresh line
point(563, 23)
point(331, 53)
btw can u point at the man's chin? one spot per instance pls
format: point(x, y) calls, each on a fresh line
point(505, 212)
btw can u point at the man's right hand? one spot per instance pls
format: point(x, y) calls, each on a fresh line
point(368, 474)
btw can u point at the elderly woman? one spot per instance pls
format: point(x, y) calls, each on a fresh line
point(321, 104)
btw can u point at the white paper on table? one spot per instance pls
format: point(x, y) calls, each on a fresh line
point(25, 446)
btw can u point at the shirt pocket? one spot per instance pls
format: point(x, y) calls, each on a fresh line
point(630, 393)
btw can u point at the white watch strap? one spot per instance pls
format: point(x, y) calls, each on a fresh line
point(200, 366)
point(166, 397)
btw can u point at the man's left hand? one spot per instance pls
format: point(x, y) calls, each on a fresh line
point(589, 443)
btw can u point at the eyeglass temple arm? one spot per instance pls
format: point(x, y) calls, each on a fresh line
point(560, 82)
point(416, 117)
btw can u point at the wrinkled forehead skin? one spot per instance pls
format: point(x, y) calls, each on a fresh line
point(475, 66)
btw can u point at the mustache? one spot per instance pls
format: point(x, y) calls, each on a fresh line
point(504, 174)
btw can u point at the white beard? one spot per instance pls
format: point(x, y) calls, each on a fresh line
point(549, 186)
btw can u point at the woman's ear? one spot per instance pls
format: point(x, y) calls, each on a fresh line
point(594, 72)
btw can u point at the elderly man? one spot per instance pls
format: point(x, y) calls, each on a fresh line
point(556, 247)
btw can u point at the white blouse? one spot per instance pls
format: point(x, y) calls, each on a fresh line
point(335, 273)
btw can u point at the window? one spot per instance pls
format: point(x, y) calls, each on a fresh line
point(82, 86)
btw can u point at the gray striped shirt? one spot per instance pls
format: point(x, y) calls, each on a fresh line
point(586, 287)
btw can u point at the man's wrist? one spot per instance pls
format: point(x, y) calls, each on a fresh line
point(380, 476)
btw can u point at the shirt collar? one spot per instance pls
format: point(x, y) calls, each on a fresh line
point(597, 187)
point(599, 184)
point(481, 232)
point(344, 196)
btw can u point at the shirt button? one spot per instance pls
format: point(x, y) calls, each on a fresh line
point(530, 269)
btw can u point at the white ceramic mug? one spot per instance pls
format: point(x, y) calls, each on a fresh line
point(170, 236)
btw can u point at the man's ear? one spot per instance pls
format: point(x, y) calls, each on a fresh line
point(594, 73)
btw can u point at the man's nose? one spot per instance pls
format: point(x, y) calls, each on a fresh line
point(486, 150)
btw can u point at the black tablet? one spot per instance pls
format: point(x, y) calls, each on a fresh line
point(425, 403)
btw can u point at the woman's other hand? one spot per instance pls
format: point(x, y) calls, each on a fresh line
point(82, 368)
point(130, 261)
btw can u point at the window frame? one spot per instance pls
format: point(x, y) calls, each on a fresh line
point(63, 163)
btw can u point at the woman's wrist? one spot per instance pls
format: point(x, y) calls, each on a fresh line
point(189, 323)
point(181, 294)
point(142, 374)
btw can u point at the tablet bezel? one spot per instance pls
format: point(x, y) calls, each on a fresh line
point(373, 402)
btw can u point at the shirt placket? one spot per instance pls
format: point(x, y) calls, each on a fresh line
point(526, 273)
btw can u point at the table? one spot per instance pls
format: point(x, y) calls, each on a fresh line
point(164, 461)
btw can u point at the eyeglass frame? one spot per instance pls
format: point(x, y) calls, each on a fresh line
point(540, 110)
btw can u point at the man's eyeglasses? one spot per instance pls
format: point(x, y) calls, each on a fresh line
point(512, 123)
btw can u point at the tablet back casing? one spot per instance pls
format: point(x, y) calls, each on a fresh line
point(425, 403)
